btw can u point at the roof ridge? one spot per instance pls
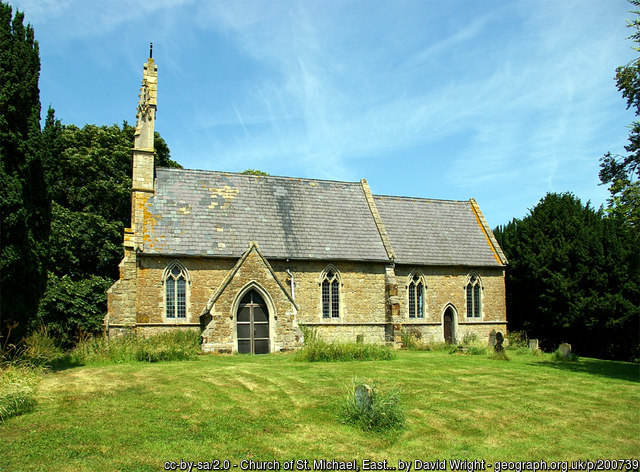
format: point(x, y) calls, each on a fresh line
point(282, 177)
point(422, 199)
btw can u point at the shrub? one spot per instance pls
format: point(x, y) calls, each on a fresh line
point(310, 334)
point(440, 346)
point(472, 345)
point(477, 350)
point(499, 356)
point(40, 349)
point(376, 411)
point(469, 339)
point(173, 346)
point(558, 356)
point(17, 390)
point(409, 340)
point(322, 351)
point(518, 341)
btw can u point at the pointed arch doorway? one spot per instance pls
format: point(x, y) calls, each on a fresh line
point(448, 325)
point(252, 324)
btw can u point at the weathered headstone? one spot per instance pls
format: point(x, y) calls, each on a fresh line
point(499, 339)
point(363, 396)
point(492, 338)
point(533, 344)
point(565, 350)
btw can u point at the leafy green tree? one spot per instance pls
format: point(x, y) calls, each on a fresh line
point(89, 175)
point(621, 172)
point(574, 276)
point(24, 203)
point(253, 172)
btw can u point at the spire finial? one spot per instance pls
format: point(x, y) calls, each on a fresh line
point(151, 50)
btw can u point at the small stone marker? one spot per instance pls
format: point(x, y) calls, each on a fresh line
point(533, 344)
point(363, 396)
point(499, 339)
point(492, 338)
point(565, 350)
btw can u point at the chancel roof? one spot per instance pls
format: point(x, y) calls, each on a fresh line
point(436, 232)
point(208, 213)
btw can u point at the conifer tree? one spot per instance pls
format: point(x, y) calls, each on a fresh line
point(24, 204)
point(574, 276)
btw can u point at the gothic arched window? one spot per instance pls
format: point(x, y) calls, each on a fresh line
point(330, 283)
point(176, 280)
point(474, 297)
point(416, 296)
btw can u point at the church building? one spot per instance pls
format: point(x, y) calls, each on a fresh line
point(250, 261)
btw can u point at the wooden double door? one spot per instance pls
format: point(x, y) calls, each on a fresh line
point(253, 324)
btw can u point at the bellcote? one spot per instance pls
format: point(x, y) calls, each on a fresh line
point(147, 105)
point(143, 153)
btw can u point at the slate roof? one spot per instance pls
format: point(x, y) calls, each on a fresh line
point(435, 232)
point(207, 213)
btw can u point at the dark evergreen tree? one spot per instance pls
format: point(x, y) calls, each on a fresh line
point(89, 175)
point(24, 203)
point(574, 276)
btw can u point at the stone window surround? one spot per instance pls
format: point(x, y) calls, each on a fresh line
point(423, 281)
point(331, 268)
point(474, 278)
point(166, 274)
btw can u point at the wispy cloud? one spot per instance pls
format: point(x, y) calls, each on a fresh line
point(514, 96)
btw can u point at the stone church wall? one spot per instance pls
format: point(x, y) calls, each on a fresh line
point(362, 298)
point(364, 312)
point(446, 286)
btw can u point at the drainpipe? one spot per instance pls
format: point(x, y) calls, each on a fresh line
point(293, 293)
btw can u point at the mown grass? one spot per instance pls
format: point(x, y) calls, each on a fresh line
point(23, 367)
point(136, 416)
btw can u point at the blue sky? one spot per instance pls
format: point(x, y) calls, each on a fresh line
point(501, 101)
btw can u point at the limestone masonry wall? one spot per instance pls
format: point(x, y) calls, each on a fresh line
point(365, 313)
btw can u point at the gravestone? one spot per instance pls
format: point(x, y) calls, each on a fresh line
point(565, 350)
point(363, 397)
point(492, 338)
point(499, 339)
point(533, 344)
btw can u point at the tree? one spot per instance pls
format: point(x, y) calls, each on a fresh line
point(24, 203)
point(621, 172)
point(253, 172)
point(89, 175)
point(574, 276)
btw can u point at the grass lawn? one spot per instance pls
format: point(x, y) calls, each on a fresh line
point(136, 416)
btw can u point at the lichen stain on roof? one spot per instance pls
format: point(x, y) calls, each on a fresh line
point(227, 193)
point(294, 218)
point(150, 222)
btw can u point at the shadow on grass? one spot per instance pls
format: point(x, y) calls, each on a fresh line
point(64, 363)
point(613, 369)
